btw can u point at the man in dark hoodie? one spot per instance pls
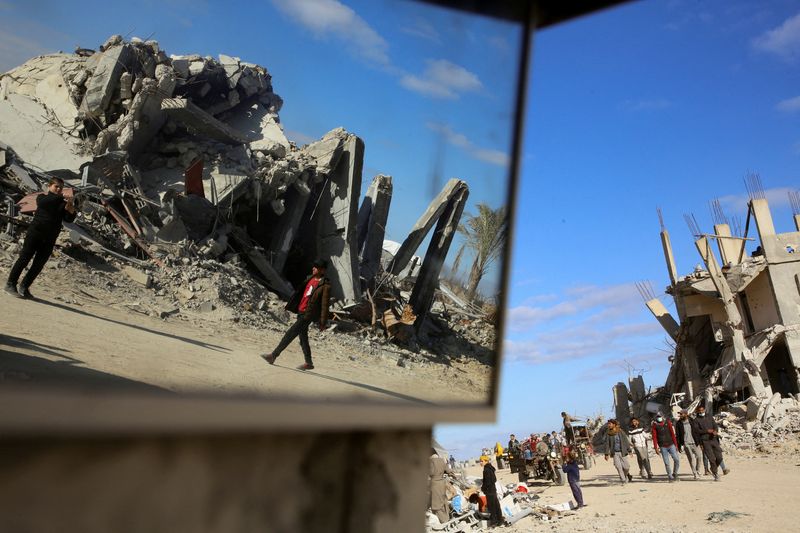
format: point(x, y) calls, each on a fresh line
point(51, 209)
point(311, 305)
point(665, 441)
point(489, 488)
point(707, 433)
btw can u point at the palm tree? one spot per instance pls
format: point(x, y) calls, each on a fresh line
point(485, 235)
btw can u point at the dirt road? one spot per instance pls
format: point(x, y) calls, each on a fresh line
point(764, 489)
point(84, 342)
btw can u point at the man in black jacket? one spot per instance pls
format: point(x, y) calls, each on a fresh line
point(707, 433)
point(51, 209)
point(311, 305)
point(489, 488)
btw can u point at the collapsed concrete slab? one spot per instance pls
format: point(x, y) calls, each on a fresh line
point(201, 122)
point(105, 79)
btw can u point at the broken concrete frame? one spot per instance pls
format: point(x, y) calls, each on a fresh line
point(428, 278)
point(746, 309)
point(201, 122)
point(424, 225)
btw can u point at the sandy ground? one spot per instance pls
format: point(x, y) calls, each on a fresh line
point(766, 489)
point(67, 337)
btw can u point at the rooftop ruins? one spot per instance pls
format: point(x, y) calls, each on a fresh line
point(178, 160)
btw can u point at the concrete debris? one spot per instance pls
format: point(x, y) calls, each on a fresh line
point(181, 163)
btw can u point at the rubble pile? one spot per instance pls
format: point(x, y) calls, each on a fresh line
point(185, 181)
point(759, 425)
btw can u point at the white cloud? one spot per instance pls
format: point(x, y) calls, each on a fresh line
point(790, 105)
point(783, 41)
point(332, 18)
point(442, 79)
point(737, 203)
point(614, 299)
point(582, 340)
point(494, 157)
point(646, 105)
point(423, 29)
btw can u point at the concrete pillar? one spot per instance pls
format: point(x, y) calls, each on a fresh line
point(690, 370)
point(729, 248)
point(337, 222)
point(282, 483)
point(664, 318)
point(428, 277)
point(287, 226)
point(372, 218)
point(797, 222)
point(668, 257)
point(763, 218)
point(622, 410)
point(424, 225)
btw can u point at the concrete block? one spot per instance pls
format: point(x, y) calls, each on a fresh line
point(142, 278)
point(105, 79)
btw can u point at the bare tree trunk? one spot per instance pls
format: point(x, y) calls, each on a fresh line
point(475, 275)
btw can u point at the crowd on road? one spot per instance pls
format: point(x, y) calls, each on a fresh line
point(694, 434)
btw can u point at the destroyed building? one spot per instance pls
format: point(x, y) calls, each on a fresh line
point(737, 333)
point(171, 157)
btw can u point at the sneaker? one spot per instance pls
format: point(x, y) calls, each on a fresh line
point(12, 290)
point(695, 477)
point(649, 476)
point(716, 477)
point(706, 473)
point(671, 480)
point(726, 471)
point(268, 357)
point(24, 292)
point(630, 477)
point(305, 366)
point(676, 478)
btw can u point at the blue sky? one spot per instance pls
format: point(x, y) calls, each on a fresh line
point(652, 104)
point(429, 91)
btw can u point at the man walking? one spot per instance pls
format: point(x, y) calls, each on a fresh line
point(618, 447)
point(686, 441)
point(311, 305)
point(640, 447)
point(707, 432)
point(51, 209)
point(665, 441)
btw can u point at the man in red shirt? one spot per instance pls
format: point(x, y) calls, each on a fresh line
point(311, 305)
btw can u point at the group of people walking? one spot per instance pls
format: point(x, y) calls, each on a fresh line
point(697, 437)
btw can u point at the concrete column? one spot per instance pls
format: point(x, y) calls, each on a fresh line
point(797, 222)
point(622, 410)
point(428, 278)
point(729, 248)
point(337, 222)
point(691, 370)
point(372, 218)
point(668, 257)
point(763, 218)
point(288, 224)
point(664, 318)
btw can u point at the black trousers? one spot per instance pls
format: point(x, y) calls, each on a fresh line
point(298, 329)
point(38, 247)
point(713, 451)
point(495, 512)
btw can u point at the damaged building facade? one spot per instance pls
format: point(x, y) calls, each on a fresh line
point(170, 156)
point(737, 333)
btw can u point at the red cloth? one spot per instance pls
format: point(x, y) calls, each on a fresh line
point(307, 292)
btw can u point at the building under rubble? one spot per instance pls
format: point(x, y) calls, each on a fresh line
point(186, 154)
point(737, 333)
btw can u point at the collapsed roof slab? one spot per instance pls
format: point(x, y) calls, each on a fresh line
point(372, 218)
point(26, 126)
point(201, 122)
point(428, 278)
point(261, 128)
point(424, 225)
point(664, 318)
point(105, 79)
point(337, 224)
point(146, 108)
